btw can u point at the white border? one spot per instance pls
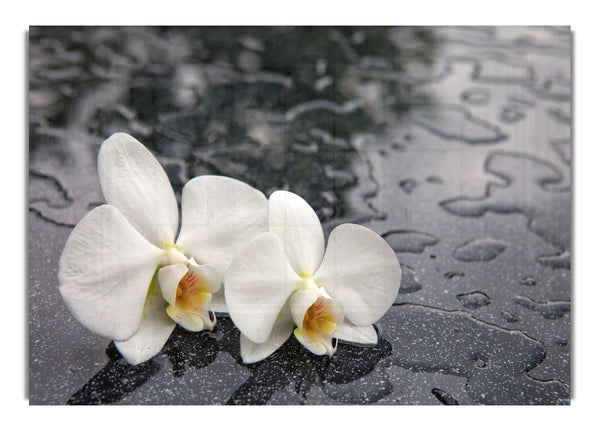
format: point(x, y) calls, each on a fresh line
point(583, 20)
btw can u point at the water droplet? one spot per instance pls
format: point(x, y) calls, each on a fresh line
point(397, 147)
point(559, 115)
point(406, 241)
point(480, 363)
point(528, 281)
point(434, 179)
point(444, 397)
point(548, 310)
point(555, 87)
point(408, 185)
point(563, 342)
point(451, 274)
point(476, 96)
point(474, 300)
point(498, 69)
point(409, 282)
point(454, 122)
point(512, 114)
point(479, 250)
point(561, 260)
point(520, 100)
point(509, 317)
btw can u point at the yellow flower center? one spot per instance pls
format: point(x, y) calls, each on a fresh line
point(319, 321)
point(192, 295)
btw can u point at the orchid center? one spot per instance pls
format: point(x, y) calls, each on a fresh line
point(188, 288)
point(193, 295)
point(319, 321)
point(319, 326)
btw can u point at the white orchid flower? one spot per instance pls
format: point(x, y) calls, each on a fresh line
point(108, 274)
point(283, 279)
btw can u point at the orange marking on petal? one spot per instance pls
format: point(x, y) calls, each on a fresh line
point(192, 294)
point(318, 321)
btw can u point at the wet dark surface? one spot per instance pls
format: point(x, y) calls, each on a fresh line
point(452, 143)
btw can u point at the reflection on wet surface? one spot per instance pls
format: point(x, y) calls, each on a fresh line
point(453, 143)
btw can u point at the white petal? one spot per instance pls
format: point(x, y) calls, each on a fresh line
point(257, 285)
point(356, 334)
point(219, 215)
point(209, 275)
point(134, 181)
point(335, 309)
point(168, 279)
point(218, 303)
point(300, 231)
point(105, 271)
point(361, 271)
point(282, 329)
point(154, 331)
point(301, 301)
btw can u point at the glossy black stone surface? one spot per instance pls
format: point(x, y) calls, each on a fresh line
point(453, 143)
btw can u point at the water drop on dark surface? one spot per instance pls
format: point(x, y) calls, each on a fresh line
point(408, 185)
point(397, 147)
point(509, 317)
point(405, 241)
point(452, 274)
point(474, 300)
point(444, 397)
point(476, 96)
point(548, 310)
point(499, 69)
point(528, 281)
point(434, 179)
point(456, 123)
point(409, 282)
point(561, 260)
point(563, 342)
point(559, 115)
point(479, 250)
point(512, 114)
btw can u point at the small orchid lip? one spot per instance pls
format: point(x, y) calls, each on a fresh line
point(188, 289)
point(192, 294)
point(319, 325)
point(319, 320)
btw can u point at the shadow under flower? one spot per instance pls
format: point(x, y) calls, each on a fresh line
point(114, 381)
point(291, 364)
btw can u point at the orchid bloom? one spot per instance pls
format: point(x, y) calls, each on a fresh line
point(123, 275)
point(283, 279)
